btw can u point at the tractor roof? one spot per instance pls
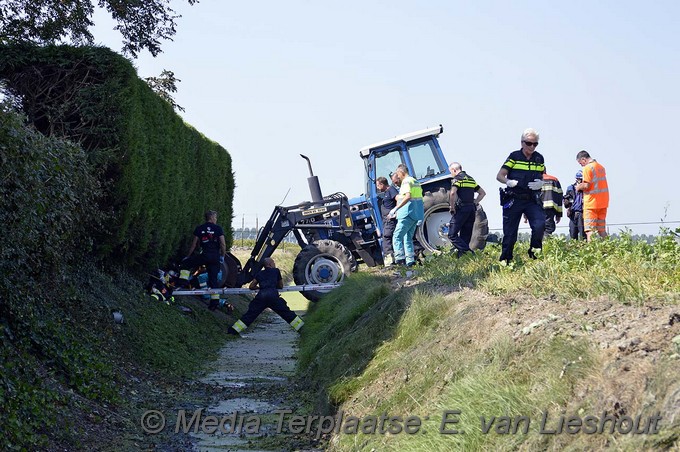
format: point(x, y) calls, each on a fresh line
point(365, 151)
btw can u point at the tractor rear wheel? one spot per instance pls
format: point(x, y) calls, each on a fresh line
point(322, 262)
point(230, 268)
point(433, 233)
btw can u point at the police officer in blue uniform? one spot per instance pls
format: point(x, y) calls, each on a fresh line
point(463, 206)
point(522, 174)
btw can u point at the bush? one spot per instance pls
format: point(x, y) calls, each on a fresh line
point(158, 174)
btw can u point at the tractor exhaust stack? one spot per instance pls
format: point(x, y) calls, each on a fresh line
point(313, 181)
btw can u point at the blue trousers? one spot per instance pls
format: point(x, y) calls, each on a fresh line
point(576, 229)
point(267, 299)
point(511, 218)
point(460, 228)
point(388, 232)
point(402, 241)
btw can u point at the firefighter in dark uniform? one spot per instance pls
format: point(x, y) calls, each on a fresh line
point(269, 281)
point(389, 201)
point(522, 173)
point(463, 206)
point(213, 247)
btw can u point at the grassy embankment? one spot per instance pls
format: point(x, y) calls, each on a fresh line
point(581, 331)
point(79, 378)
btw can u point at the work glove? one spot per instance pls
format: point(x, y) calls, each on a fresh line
point(536, 184)
point(511, 183)
point(393, 213)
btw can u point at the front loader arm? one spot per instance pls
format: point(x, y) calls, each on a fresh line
point(271, 235)
point(305, 216)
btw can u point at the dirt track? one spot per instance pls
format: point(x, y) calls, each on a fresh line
point(251, 378)
point(255, 369)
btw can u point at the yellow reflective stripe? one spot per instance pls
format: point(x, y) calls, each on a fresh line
point(552, 205)
point(510, 163)
point(297, 323)
point(239, 326)
point(184, 274)
point(413, 187)
point(416, 189)
point(528, 166)
point(548, 187)
point(214, 296)
point(465, 183)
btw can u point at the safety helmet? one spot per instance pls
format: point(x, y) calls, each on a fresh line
point(579, 174)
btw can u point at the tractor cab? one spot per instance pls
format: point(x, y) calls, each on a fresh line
point(422, 155)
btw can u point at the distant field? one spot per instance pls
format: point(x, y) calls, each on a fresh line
point(296, 301)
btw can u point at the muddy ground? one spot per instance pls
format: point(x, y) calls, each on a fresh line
point(233, 405)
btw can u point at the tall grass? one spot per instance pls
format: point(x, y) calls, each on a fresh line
point(419, 351)
point(618, 268)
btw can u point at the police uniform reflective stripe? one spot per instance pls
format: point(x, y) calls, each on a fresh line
point(524, 165)
point(297, 323)
point(239, 326)
point(524, 170)
point(468, 182)
point(465, 188)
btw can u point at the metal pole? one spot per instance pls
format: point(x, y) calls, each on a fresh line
point(238, 290)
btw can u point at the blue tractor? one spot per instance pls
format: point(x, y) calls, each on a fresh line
point(336, 234)
point(421, 153)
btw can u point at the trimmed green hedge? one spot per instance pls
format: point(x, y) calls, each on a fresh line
point(158, 174)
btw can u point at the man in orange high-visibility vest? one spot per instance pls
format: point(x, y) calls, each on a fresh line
point(595, 195)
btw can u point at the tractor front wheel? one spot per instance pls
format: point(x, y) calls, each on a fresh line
point(322, 262)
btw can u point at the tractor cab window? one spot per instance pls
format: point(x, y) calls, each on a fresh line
point(424, 162)
point(386, 163)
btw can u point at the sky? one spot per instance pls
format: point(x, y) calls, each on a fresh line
point(270, 80)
